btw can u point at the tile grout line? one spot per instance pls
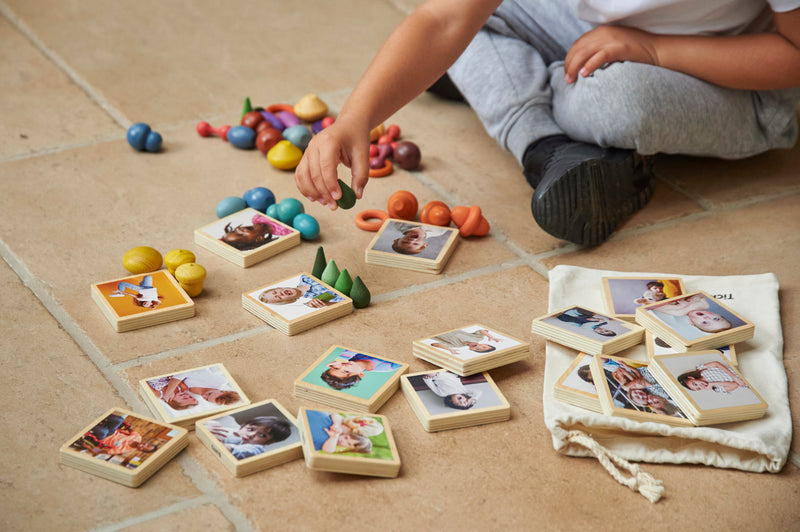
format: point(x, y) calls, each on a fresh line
point(62, 65)
point(198, 478)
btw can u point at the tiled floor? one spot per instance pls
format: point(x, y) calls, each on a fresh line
point(75, 197)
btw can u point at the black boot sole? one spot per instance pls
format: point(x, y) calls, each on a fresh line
point(590, 200)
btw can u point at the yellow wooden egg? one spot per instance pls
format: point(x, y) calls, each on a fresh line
point(310, 108)
point(176, 257)
point(191, 277)
point(377, 133)
point(284, 155)
point(141, 259)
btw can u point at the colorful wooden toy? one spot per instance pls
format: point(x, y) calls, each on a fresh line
point(288, 118)
point(176, 258)
point(344, 283)
point(383, 171)
point(298, 135)
point(348, 199)
point(307, 225)
point(407, 155)
point(284, 155)
point(141, 259)
point(330, 273)
point(230, 205)
point(259, 198)
point(273, 120)
point(246, 107)
point(319, 125)
point(242, 137)
point(391, 135)
point(204, 129)
point(470, 221)
point(251, 119)
point(310, 108)
point(267, 138)
point(403, 205)
point(359, 293)
point(142, 138)
point(363, 217)
point(191, 276)
point(288, 208)
point(376, 133)
point(435, 213)
point(319, 263)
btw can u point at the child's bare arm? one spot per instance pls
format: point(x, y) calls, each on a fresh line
point(764, 61)
point(415, 55)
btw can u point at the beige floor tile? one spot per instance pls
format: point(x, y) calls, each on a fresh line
point(160, 62)
point(206, 517)
point(56, 391)
point(41, 108)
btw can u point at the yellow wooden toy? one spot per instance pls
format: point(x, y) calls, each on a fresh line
point(176, 257)
point(141, 259)
point(191, 277)
point(284, 155)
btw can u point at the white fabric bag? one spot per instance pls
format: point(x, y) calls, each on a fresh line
point(759, 445)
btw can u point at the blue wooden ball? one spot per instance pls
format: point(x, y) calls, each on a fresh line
point(288, 208)
point(142, 138)
point(242, 137)
point(230, 205)
point(272, 211)
point(307, 225)
point(298, 135)
point(259, 198)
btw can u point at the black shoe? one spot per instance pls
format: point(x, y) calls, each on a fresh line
point(445, 88)
point(584, 191)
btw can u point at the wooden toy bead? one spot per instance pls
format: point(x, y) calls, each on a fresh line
point(229, 205)
point(470, 221)
point(177, 257)
point(142, 138)
point(242, 137)
point(204, 129)
point(142, 259)
point(310, 108)
point(288, 118)
point(384, 152)
point(284, 155)
point(307, 225)
point(273, 120)
point(435, 213)
point(278, 107)
point(251, 119)
point(407, 155)
point(391, 135)
point(376, 133)
point(267, 138)
point(298, 135)
point(191, 277)
point(402, 204)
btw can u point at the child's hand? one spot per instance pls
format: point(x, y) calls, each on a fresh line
point(316, 176)
point(316, 303)
point(608, 44)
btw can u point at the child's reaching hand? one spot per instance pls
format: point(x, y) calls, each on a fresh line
point(316, 176)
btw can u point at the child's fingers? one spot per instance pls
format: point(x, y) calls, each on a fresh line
point(360, 169)
point(326, 179)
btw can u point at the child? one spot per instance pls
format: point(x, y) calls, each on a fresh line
point(329, 433)
point(121, 441)
point(252, 437)
point(415, 237)
point(581, 92)
point(694, 308)
point(712, 375)
point(145, 296)
point(246, 237)
point(474, 341)
point(312, 294)
point(448, 386)
point(179, 390)
point(580, 317)
point(349, 367)
point(655, 403)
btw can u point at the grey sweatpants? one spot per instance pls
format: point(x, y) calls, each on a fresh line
point(512, 74)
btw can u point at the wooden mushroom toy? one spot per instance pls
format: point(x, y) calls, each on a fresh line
point(191, 276)
point(403, 205)
point(470, 221)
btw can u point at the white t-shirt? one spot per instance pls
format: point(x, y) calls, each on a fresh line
point(683, 17)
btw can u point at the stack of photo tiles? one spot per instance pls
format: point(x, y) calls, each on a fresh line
point(352, 443)
point(588, 331)
point(297, 304)
point(350, 380)
point(471, 349)
point(693, 322)
point(627, 388)
point(443, 400)
point(412, 246)
point(707, 387)
point(191, 394)
point(252, 438)
point(657, 347)
point(247, 237)
point(141, 301)
point(576, 385)
point(623, 295)
point(124, 447)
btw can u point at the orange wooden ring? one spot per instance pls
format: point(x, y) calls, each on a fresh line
point(383, 171)
point(362, 223)
point(276, 107)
